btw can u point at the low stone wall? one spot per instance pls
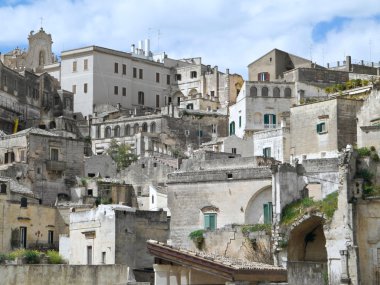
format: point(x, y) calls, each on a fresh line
point(307, 272)
point(63, 274)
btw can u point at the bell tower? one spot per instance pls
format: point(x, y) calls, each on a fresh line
point(39, 50)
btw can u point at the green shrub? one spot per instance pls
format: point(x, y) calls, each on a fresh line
point(32, 256)
point(197, 238)
point(54, 257)
point(366, 175)
point(3, 258)
point(257, 228)
point(375, 156)
point(364, 151)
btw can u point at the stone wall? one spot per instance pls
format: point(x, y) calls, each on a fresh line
point(64, 274)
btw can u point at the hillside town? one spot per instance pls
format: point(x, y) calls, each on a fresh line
point(130, 167)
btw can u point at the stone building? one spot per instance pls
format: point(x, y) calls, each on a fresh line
point(211, 194)
point(231, 144)
point(113, 234)
point(259, 106)
point(322, 129)
point(38, 55)
point(43, 161)
point(21, 225)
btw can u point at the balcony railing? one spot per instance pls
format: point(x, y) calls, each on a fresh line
point(270, 126)
point(55, 165)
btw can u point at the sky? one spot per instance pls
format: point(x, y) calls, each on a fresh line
point(227, 33)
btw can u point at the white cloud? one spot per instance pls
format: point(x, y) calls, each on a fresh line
point(225, 33)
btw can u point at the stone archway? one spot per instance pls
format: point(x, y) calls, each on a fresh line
point(307, 254)
point(254, 211)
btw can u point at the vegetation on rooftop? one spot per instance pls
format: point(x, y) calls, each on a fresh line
point(368, 152)
point(297, 209)
point(267, 228)
point(350, 84)
point(32, 256)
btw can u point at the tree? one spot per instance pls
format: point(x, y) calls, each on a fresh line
point(121, 154)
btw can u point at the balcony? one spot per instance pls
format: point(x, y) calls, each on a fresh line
point(55, 165)
point(270, 126)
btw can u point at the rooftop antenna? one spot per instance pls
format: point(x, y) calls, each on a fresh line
point(370, 50)
point(41, 19)
point(311, 52)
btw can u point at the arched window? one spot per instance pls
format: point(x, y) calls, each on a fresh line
point(107, 132)
point(116, 132)
point(288, 92)
point(253, 91)
point(276, 92)
point(136, 128)
point(41, 60)
point(232, 128)
point(153, 127)
point(264, 92)
point(127, 131)
point(144, 127)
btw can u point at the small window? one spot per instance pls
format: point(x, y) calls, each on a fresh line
point(190, 106)
point(214, 128)
point(124, 91)
point(116, 67)
point(233, 150)
point(154, 164)
point(124, 69)
point(269, 121)
point(168, 79)
point(200, 133)
point(210, 221)
point(152, 199)
point(54, 154)
point(108, 132)
point(24, 202)
point(89, 192)
point(229, 176)
point(264, 92)
point(74, 66)
point(193, 74)
point(3, 188)
point(50, 237)
point(116, 90)
point(22, 155)
point(239, 121)
point(134, 72)
point(212, 93)
point(116, 132)
point(103, 257)
point(288, 92)
point(23, 234)
point(178, 77)
point(232, 128)
point(85, 64)
point(74, 89)
point(321, 128)
point(267, 152)
point(263, 76)
point(85, 88)
point(157, 101)
point(141, 73)
point(157, 77)
point(142, 165)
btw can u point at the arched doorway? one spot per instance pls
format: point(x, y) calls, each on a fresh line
point(255, 211)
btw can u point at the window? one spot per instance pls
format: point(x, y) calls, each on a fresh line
point(157, 101)
point(200, 133)
point(178, 77)
point(23, 232)
point(288, 92)
point(214, 128)
point(134, 72)
point(141, 98)
point(269, 121)
point(210, 221)
point(239, 121)
point(85, 88)
point(169, 100)
point(24, 202)
point(3, 188)
point(124, 69)
point(264, 92)
point(103, 257)
point(157, 77)
point(267, 152)
point(190, 106)
point(233, 150)
point(85, 64)
point(108, 132)
point(267, 213)
point(253, 91)
point(116, 131)
point(232, 128)
point(193, 74)
point(124, 91)
point(56, 100)
point(50, 237)
point(127, 131)
point(263, 76)
point(90, 191)
point(152, 199)
point(321, 128)
point(97, 132)
point(74, 66)
point(136, 128)
point(141, 73)
point(212, 93)
point(74, 89)
point(276, 92)
point(116, 67)
point(22, 155)
point(54, 154)
point(178, 101)
point(116, 90)
point(168, 79)
point(153, 127)
point(89, 255)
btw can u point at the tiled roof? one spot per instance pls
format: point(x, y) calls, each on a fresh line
point(16, 187)
point(236, 264)
point(36, 131)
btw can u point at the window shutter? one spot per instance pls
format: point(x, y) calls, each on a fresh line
point(212, 222)
point(266, 119)
point(268, 76)
point(207, 221)
point(266, 213)
point(258, 77)
point(274, 119)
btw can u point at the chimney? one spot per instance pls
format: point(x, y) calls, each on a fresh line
point(132, 48)
point(147, 47)
point(227, 71)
